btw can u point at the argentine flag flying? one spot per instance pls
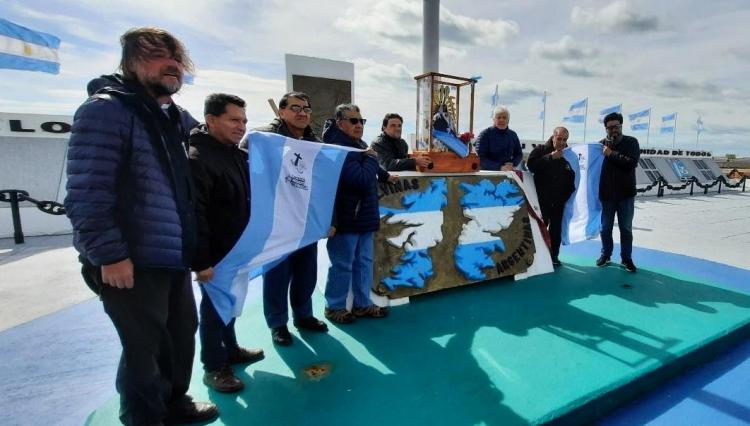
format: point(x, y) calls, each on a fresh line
point(640, 120)
point(293, 188)
point(25, 49)
point(668, 123)
point(577, 111)
point(583, 211)
point(614, 108)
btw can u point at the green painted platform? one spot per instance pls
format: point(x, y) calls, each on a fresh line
point(563, 347)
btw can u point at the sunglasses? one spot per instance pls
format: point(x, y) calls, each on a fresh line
point(298, 108)
point(355, 120)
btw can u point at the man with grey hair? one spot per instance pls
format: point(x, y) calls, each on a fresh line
point(130, 201)
point(357, 218)
point(498, 147)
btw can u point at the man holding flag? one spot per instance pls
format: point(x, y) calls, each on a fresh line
point(222, 209)
point(294, 277)
point(617, 189)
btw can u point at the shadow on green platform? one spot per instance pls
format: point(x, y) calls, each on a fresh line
point(564, 347)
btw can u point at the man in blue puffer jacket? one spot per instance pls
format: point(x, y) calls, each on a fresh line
point(356, 218)
point(130, 200)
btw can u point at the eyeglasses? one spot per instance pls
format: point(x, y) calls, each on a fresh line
point(615, 127)
point(298, 108)
point(355, 120)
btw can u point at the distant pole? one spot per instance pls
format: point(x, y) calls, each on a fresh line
point(648, 129)
point(585, 119)
point(544, 113)
point(674, 130)
point(431, 35)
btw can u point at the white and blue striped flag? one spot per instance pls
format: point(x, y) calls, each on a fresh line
point(668, 123)
point(544, 106)
point(614, 108)
point(577, 111)
point(699, 124)
point(29, 50)
point(494, 101)
point(640, 120)
point(583, 211)
point(293, 188)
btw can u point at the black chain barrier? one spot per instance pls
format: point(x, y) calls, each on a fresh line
point(15, 197)
point(662, 183)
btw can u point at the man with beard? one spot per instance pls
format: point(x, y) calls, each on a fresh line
point(617, 190)
point(292, 281)
point(393, 152)
point(130, 200)
point(222, 208)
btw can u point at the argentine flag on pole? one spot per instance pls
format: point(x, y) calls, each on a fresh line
point(25, 49)
point(582, 217)
point(668, 123)
point(640, 120)
point(293, 188)
point(577, 112)
point(614, 108)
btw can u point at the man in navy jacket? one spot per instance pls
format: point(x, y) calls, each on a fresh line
point(498, 147)
point(130, 200)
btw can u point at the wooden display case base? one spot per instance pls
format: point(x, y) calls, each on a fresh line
point(448, 162)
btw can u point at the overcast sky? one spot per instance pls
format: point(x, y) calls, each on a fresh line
point(688, 57)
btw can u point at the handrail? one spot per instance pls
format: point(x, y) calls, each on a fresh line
point(15, 197)
point(692, 180)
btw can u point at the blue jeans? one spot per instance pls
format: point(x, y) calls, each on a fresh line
point(624, 209)
point(294, 278)
point(351, 265)
point(217, 339)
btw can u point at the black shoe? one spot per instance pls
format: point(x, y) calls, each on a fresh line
point(311, 324)
point(603, 260)
point(184, 410)
point(223, 380)
point(245, 356)
point(556, 261)
point(281, 336)
point(628, 264)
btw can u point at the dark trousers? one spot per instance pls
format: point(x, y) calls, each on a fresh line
point(552, 214)
point(294, 278)
point(217, 339)
point(625, 210)
point(156, 321)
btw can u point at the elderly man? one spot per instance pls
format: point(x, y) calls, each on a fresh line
point(222, 207)
point(555, 183)
point(393, 152)
point(293, 280)
point(130, 200)
point(357, 219)
point(617, 190)
point(498, 147)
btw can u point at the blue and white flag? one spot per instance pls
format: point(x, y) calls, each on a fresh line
point(699, 124)
point(583, 211)
point(614, 108)
point(293, 185)
point(640, 120)
point(668, 123)
point(544, 106)
point(577, 111)
point(25, 49)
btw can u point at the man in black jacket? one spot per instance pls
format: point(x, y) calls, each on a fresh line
point(222, 206)
point(554, 181)
point(617, 190)
point(393, 152)
point(294, 278)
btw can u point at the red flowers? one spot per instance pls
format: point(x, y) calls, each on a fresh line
point(466, 137)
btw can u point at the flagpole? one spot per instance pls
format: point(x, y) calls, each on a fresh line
point(544, 114)
point(585, 119)
point(674, 130)
point(648, 129)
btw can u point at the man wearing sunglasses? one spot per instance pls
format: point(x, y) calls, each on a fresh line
point(357, 216)
point(293, 280)
point(617, 190)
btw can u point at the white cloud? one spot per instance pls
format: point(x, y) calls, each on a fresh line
point(396, 26)
point(619, 16)
point(571, 57)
